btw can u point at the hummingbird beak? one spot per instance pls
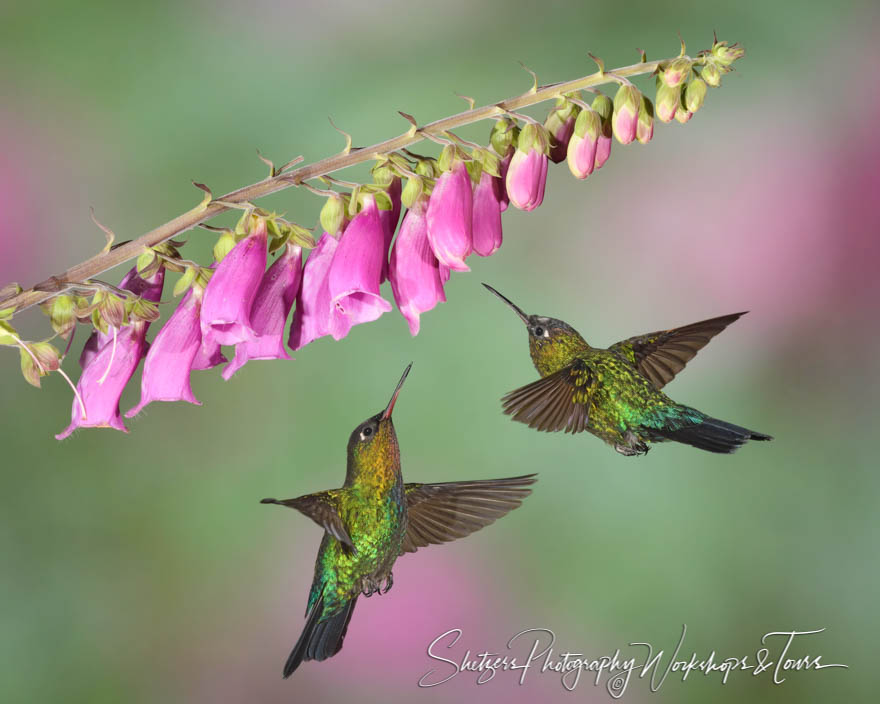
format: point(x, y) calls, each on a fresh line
point(516, 309)
point(386, 414)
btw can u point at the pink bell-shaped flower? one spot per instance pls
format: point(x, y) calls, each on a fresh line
point(230, 293)
point(311, 319)
point(389, 220)
point(269, 313)
point(450, 217)
point(527, 173)
point(487, 216)
point(355, 272)
point(413, 270)
point(169, 361)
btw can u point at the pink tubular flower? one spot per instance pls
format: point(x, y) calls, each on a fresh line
point(109, 360)
point(269, 313)
point(208, 355)
point(389, 219)
point(101, 384)
point(230, 293)
point(501, 183)
point(487, 216)
point(353, 278)
point(450, 217)
point(625, 119)
point(527, 173)
point(170, 359)
point(414, 271)
point(583, 143)
point(311, 319)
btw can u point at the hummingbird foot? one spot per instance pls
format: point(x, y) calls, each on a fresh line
point(389, 582)
point(633, 447)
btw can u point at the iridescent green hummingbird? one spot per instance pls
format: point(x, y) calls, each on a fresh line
point(615, 393)
point(373, 519)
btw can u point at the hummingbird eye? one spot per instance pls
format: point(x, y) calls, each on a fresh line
point(539, 331)
point(366, 432)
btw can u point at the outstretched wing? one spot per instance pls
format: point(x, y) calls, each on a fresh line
point(439, 513)
point(660, 355)
point(559, 401)
point(321, 508)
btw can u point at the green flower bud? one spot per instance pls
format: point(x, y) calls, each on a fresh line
point(382, 175)
point(726, 55)
point(602, 104)
point(332, 214)
point(428, 168)
point(62, 314)
point(504, 135)
point(645, 129)
point(694, 94)
point(711, 74)
point(412, 191)
point(668, 101)
point(676, 72)
point(624, 121)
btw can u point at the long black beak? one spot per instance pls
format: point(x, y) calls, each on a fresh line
point(386, 414)
point(517, 310)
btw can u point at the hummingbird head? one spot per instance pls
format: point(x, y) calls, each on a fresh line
point(551, 341)
point(373, 444)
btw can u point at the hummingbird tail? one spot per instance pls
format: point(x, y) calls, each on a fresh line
point(714, 435)
point(321, 638)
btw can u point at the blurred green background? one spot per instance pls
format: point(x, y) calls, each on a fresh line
point(142, 568)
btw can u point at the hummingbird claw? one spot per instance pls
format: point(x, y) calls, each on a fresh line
point(389, 582)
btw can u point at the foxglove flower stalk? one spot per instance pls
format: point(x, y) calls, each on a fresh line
point(311, 319)
point(269, 313)
point(527, 173)
point(170, 358)
point(355, 272)
point(450, 217)
point(230, 293)
point(108, 367)
point(624, 121)
point(487, 215)
point(414, 271)
point(583, 143)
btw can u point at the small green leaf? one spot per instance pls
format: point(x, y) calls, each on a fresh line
point(144, 260)
point(7, 334)
point(7, 313)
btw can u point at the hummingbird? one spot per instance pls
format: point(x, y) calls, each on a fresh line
point(373, 519)
point(615, 393)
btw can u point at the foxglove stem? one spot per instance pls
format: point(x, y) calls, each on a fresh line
point(132, 249)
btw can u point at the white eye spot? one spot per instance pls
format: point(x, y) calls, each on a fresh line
point(366, 432)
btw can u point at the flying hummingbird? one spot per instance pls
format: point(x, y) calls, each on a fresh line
point(373, 519)
point(615, 393)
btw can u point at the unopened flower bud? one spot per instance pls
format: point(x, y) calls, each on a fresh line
point(560, 125)
point(582, 145)
point(645, 128)
point(602, 104)
point(624, 121)
point(333, 214)
point(504, 135)
point(711, 74)
point(676, 72)
point(682, 115)
point(726, 55)
point(694, 94)
point(668, 101)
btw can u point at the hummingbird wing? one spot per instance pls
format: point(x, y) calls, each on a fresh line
point(439, 513)
point(559, 401)
point(321, 508)
point(660, 355)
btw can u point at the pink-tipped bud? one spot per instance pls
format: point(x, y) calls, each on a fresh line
point(602, 104)
point(560, 126)
point(413, 269)
point(583, 144)
point(676, 72)
point(668, 101)
point(645, 128)
point(487, 216)
point(527, 173)
point(311, 319)
point(229, 295)
point(624, 121)
point(450, 217)
point(355, 273)
point(272, 305)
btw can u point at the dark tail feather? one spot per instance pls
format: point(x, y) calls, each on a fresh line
point(320, 639)
point(714, 435)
